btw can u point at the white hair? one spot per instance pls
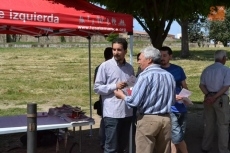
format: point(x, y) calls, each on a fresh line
point(152, 53)
point(219, 54)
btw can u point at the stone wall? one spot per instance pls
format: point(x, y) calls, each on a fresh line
point(53, 39)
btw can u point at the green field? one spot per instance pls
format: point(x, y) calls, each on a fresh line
point(52, 77)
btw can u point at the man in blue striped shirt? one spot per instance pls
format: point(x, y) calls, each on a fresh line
point(153, 94)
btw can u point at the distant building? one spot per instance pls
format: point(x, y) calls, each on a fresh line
point(137, 36)
point(178, 36)
point(143, 36)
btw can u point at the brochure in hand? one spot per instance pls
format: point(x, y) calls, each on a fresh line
point(131, 81)
point(185, 96)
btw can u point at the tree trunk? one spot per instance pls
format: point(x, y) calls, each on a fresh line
point(184, 40)
point(14, 38)
point(8, 38)
point(19, 37)
point(157, 42)
point(159, 34)
point(225, 43)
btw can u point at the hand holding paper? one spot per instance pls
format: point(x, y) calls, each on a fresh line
point(131, 81)
point(185, 94)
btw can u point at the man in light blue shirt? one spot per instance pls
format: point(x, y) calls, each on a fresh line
point(214, 83)
point(153, 94)
point(112, 75)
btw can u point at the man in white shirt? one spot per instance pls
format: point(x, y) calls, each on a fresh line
point(112, 75)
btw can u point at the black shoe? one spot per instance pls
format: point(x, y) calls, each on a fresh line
point(102, 147)
point(204, 151)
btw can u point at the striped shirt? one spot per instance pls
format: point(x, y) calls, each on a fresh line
point(215, 76)
point(154, 91)
point(110, 73)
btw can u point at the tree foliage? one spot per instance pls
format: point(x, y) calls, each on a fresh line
point(62, 39)
point(156, 16)
point(197, 30)
point(13, 38)
point(220, 30)
point(112, 36)
point(151, 15)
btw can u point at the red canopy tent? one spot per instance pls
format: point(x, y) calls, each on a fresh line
point(62, 18)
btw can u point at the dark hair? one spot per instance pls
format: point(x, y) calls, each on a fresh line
point(166, 48)
point(138, 56)
point(108, 53)
point(121, 41)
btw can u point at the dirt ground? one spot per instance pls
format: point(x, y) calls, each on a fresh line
point(10, 143)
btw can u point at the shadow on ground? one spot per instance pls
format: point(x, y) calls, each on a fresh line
point(195, 130)
point(10, 143)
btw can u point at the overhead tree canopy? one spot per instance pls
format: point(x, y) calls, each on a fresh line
point(220, 30)
point(198, 30)
point(156, 16)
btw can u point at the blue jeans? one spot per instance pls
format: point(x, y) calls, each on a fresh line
point(178, 121)
point(102, 133)
point(117, 134)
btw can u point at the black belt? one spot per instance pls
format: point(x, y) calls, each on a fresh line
point(160, 114)
point(214, 93)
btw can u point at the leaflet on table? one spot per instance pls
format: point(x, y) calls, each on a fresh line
point(67, 117)
point(185, 96)
point(42, 114)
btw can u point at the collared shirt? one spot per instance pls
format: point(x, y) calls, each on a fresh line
point(154, 91)
point(215, 76)
point(110, 73)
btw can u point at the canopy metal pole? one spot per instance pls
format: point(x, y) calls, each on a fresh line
point(132, 129)
point(90, 93)
point(131, 49)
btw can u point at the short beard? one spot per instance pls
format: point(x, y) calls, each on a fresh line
point(119, 60)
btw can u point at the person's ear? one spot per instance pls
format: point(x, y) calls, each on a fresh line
point(150, 61)
point(170, 56)
point(225, 58)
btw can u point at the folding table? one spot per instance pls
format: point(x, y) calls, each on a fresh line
point(18, 123)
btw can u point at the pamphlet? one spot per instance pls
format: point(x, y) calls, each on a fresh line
point(82, 118)
point(185, 93)
point(185, 96)
point(131, 81)
point(42, 114)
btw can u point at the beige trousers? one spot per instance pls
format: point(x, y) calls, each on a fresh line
point(153, 134)
point(216, 114)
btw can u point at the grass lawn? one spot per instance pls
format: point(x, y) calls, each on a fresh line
point(52, 77)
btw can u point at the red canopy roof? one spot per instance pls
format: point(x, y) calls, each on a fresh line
point(60, 17)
